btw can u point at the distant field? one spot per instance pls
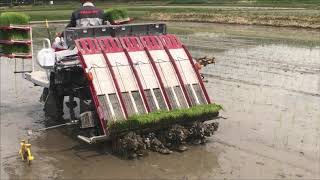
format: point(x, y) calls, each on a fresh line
point(277, 3)
point(270, 3)
point(297, 13)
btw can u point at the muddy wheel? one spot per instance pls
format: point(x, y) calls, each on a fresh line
point(53, 106)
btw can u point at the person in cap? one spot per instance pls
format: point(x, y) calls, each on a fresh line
point(87, 15)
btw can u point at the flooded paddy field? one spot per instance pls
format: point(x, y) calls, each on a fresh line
point(267, 79)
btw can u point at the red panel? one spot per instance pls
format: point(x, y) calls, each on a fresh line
point(155, 43)
point(170, 41)
point(110, 45)
point(144, 97)
point(113, 45)
point(151, 42)
point(198, 75)
point(88, 46)
point(115, 81)
point(154, 66)
point(182, 84)
point(131, 43)
point(95, 98)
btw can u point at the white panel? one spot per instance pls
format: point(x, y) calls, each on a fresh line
point(184, 66)
point(144, 68)
point(165, 68)
point(123, 72)
point(175, 97)
point(117, 58)
point(134, 103)
point(102, 80)
point(155, 99)
point(139, 56)
point(127, 78)
point(110, 106)
point(96, 60)
point(195, 95)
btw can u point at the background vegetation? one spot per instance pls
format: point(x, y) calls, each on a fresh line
point(293, 13)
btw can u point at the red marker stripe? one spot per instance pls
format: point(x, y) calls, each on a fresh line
point(116, 84)
point(154, 66)
point(94, 95)
point(138, 80)
point(179, 75)
point(198, 75)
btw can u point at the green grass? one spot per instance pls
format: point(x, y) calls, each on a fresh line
point(49, 14)
point(164, 118)
point(14, 18)
point(15, 48)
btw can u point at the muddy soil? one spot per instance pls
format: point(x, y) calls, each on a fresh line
point(269, 87)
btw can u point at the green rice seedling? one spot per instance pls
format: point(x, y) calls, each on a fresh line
point(13, 18)
point(3, 34)
point(164, 118)
point(14, 34)
point(123, 13)
point(15, 49)
point(20, 35)
point(115, 14)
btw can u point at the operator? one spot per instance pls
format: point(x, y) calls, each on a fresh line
point(87, 15)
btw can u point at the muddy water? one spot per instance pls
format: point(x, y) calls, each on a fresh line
point(267, 79)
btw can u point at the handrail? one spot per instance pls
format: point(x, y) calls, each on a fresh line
point(46, 40)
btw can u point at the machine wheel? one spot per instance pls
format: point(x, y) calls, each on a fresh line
point(53, 106)
point(44, 95)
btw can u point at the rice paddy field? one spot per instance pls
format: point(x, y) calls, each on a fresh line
point(303, 13)
point(266, 78)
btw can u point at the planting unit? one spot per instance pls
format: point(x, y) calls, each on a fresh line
point(132, 77)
